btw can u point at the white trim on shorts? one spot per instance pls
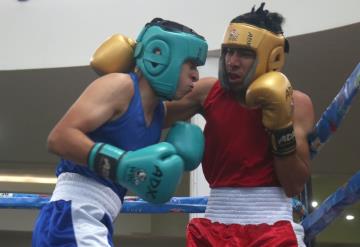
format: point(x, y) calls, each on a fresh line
point(255, 205)
point(90, 202)
point(80, 189)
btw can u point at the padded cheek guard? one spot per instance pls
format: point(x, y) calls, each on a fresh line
point(160, 54)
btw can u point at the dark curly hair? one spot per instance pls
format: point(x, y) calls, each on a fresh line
point(270, 21)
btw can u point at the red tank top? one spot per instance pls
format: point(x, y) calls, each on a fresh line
point(237, 148)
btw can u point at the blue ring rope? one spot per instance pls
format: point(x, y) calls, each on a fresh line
point(333, 115)
point(329, 122)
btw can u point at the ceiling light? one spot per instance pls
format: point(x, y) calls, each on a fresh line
point(349, 217)
point(314, 204)
point(27, 179)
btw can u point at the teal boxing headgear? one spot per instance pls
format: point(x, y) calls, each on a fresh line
point(162, 48)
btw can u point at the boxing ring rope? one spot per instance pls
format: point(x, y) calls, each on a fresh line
point(329, 122)
point(131, 204)
point(332, 207)
point(333, 115)
point(313, 223)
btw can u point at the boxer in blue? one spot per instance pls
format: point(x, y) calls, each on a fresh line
point(108, 140)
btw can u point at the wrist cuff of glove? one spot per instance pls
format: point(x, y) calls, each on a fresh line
point(103, 159)
point(283, 141)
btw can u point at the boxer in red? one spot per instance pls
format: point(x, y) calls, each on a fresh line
point(256, 151)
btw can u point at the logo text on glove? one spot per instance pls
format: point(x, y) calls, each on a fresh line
point(286, 138)
point(136, 176)
point(154, 182)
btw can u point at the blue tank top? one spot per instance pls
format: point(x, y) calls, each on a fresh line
point(129, 132)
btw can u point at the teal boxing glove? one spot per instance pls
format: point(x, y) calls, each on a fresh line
point(189, 142)
point(153, 173)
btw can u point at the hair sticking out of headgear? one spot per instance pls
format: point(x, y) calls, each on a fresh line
point(270, 21)
point(173, 26)
point(261, 13)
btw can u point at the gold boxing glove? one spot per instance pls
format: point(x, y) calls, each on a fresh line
point(116, 54)
point(273, 93)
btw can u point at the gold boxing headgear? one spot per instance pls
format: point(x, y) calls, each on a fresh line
point(268, 46)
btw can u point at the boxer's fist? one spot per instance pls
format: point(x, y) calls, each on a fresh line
point(153, 172)
point(114, 55)
point(189, 142)
point(273, 93)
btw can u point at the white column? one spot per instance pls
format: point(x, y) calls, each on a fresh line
point(198, 185)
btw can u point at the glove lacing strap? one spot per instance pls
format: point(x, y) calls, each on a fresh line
point(283, 141)
point(103, 164)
